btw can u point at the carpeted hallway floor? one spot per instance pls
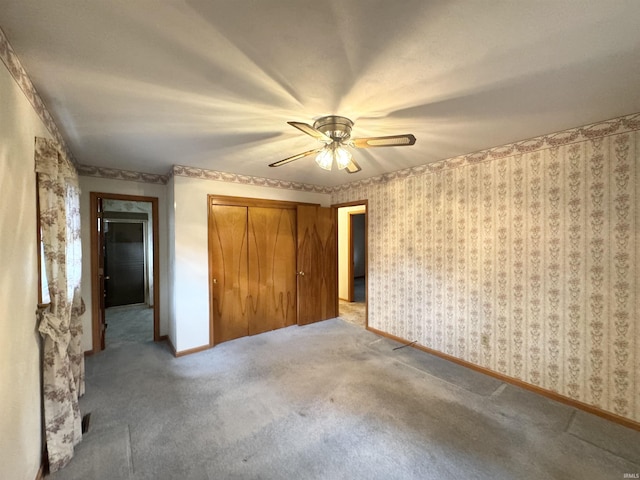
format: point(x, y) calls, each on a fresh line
point(328, 401)
point(127, 324)
point(355, 312)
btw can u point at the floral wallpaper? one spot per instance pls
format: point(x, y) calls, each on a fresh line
point(521, 259)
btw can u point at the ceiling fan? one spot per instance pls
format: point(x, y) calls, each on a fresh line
point(335, 132)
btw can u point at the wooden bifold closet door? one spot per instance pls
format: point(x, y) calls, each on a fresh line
point(229, 271)
point(272, 269)
point(253, 270)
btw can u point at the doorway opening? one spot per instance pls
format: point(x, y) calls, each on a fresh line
point(352, 262)
point(126, 252)
point(124, 269)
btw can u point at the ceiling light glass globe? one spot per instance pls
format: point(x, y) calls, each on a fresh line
point(325, 159)
point(343, 157)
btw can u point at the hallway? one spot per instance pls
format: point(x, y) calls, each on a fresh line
point(355, 312)
point(128, 324)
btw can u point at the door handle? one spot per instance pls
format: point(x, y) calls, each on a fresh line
point(300, 273)
point(106, 278)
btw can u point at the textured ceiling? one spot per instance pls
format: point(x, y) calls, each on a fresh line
point(142, 85)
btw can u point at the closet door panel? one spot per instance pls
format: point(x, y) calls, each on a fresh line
point(317, 264)
point(229, 278)
point(272, 268)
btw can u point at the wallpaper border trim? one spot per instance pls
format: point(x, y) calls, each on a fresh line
point(200, 173)
point(116, 174)
point(614, 126)
point(626, 123)
point(19, 74)
point(205, 174)
point(514, 381)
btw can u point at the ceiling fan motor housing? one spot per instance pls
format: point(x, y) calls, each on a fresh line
point(338, 128)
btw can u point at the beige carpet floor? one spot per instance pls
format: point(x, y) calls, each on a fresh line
point(328, 401)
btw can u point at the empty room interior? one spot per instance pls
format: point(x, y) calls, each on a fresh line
point(319, 240)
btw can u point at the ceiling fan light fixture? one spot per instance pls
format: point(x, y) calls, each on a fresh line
point(325, 158)
point(335, 133)
point(342, 156)
point(331, 153)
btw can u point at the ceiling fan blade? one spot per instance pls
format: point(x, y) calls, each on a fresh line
point(309, 130)
point(295, 157)
point(353, 167)
point(390, 141)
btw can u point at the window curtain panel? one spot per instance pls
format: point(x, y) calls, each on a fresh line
point(59, 324)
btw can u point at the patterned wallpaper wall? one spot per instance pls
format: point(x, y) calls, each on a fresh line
point(524, 263)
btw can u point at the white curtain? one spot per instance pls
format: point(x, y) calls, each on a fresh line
point(60, 325)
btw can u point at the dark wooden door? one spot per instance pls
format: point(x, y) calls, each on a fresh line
point(357, 256)
point(229, 274)
point(272, 268)
point(124, 263)
point(317, 264)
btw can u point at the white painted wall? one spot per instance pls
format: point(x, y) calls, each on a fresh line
point(104, 185)
point(190, 279)
point(20, 418)
point(343, 248)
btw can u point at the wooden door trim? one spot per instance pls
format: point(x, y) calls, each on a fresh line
point(210, 269)
point(95, 279)
point(253, 202)
point(357, 203)
point(364, 203)
point(95, 287)
point(336, 279)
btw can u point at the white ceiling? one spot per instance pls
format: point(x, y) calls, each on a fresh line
point(145, 84)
